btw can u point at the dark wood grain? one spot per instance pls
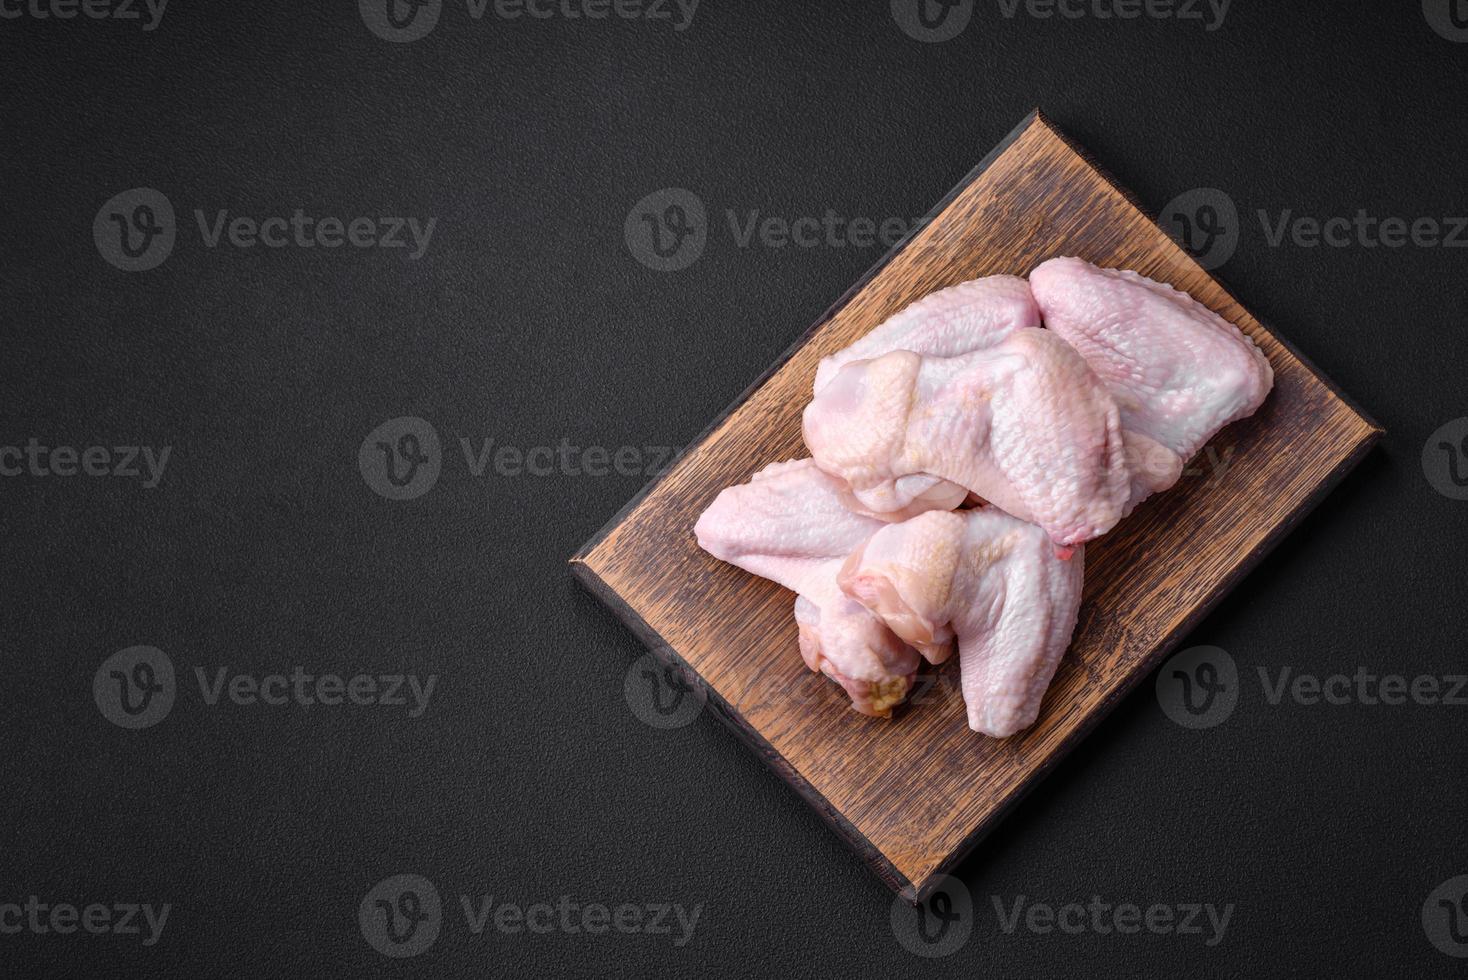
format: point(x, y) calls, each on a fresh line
point(914, 794)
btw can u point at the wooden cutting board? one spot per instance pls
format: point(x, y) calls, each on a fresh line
point(914, 794)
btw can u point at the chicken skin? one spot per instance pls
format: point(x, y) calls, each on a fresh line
point(967, 317)
point(788, 524)
point(989, 579)
point(1179, 372)
point(1056, 432)
point(1026, 425)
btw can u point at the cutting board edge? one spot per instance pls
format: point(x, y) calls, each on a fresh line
point(727, 715)
point(1154, 657)
point(587, 575)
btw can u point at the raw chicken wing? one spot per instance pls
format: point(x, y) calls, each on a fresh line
point(789, 525)
point(992, 580)
point(1179, 371)
point(967, 317)
point(1026, 425)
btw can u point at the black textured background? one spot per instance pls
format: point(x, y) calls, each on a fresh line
point(529, 321)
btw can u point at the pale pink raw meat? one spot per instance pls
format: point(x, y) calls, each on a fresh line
point(1026, 425)
point(992, 580)
point(955, 320)
point(967, 317)
point(788, 524)
point(1179, 372)
point(962, 398)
